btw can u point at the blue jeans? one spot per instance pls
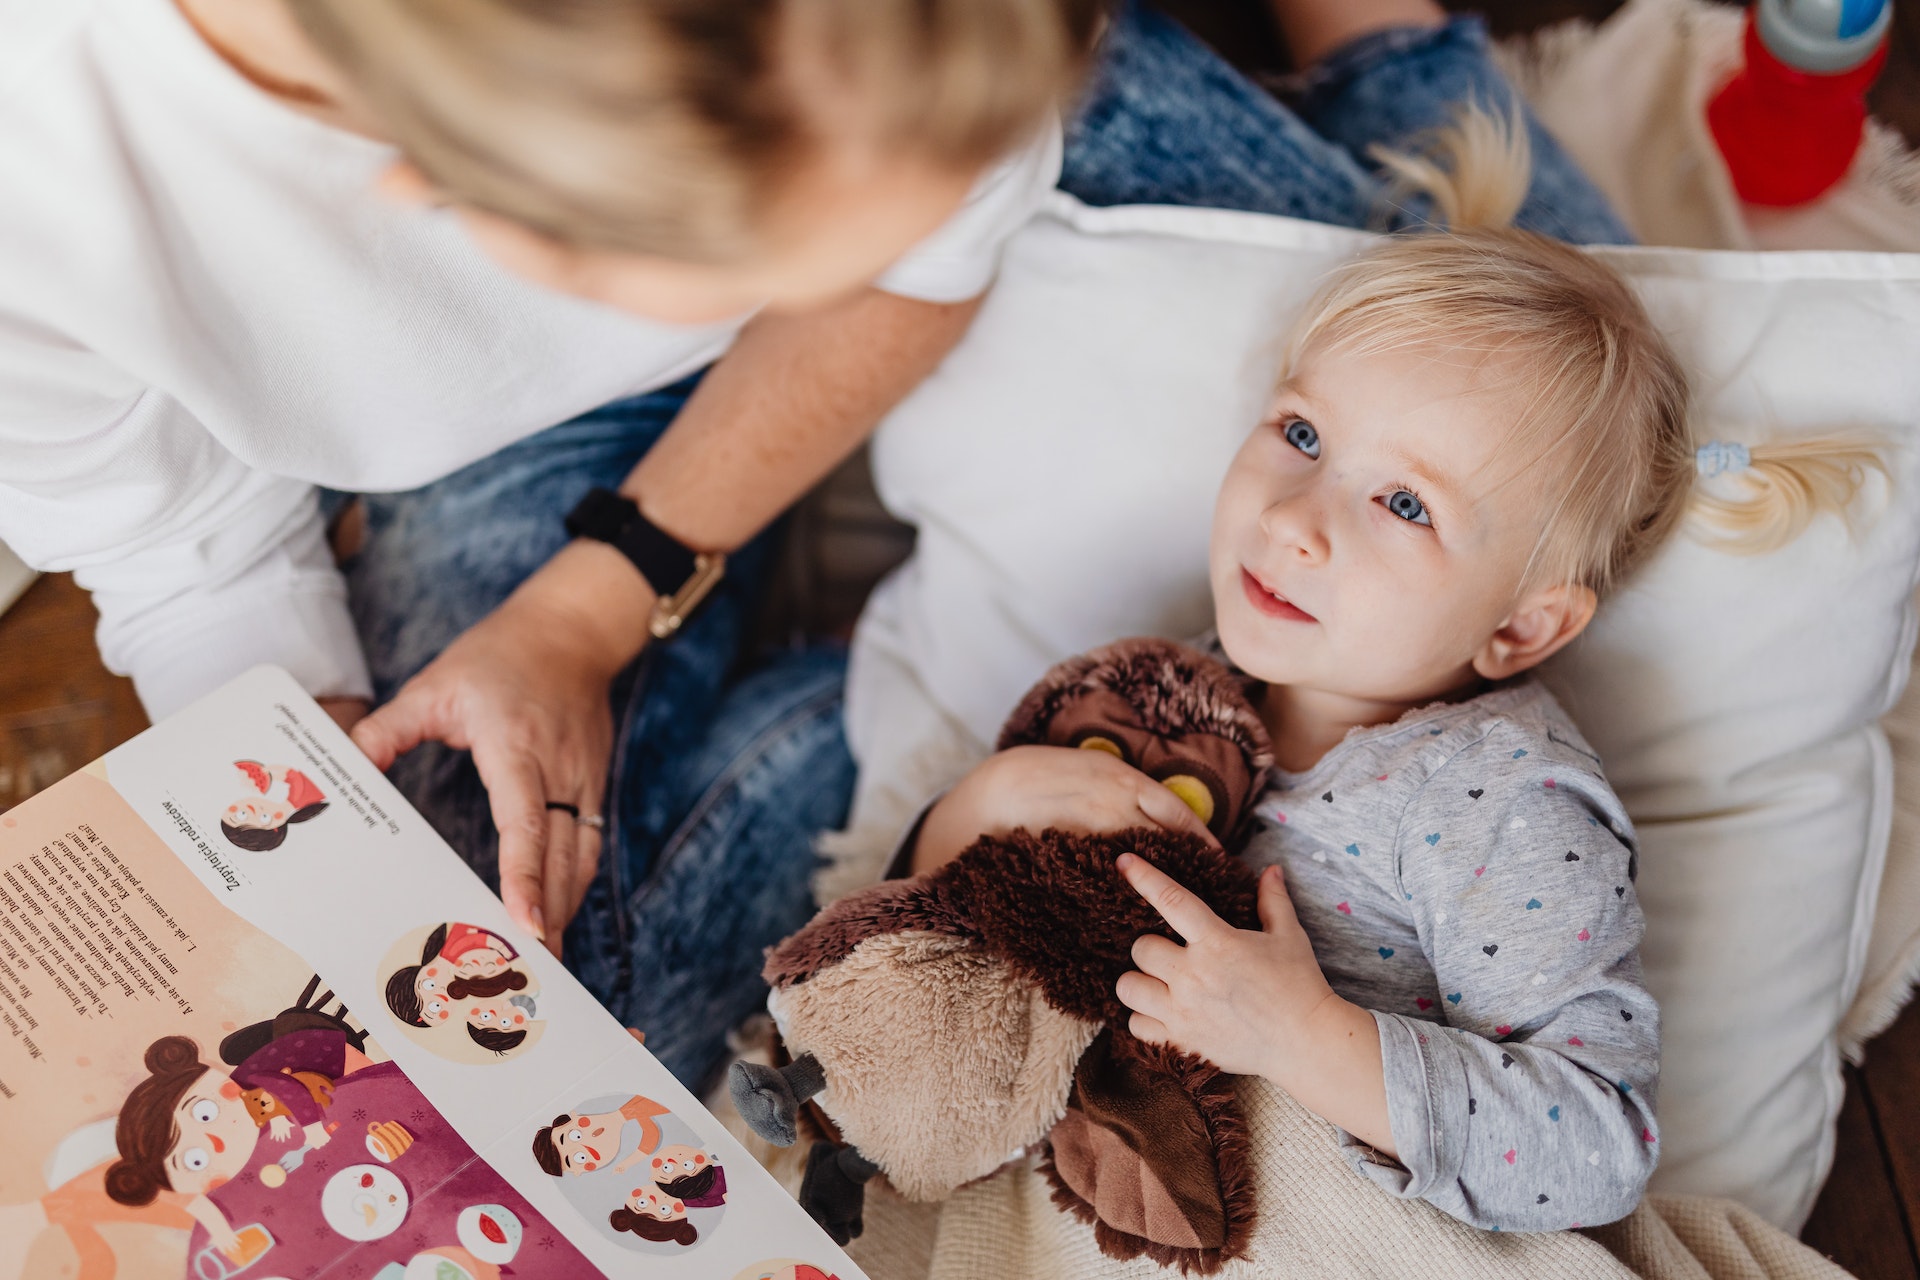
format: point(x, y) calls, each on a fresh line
point(728, 765)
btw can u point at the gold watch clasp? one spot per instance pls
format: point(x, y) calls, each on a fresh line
point(669, 612)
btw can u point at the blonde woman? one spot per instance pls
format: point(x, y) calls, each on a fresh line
point(256, 248)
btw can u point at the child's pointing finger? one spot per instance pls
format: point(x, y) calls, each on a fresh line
point(1191, 918)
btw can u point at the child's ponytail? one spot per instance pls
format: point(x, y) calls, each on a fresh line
point(1476, 170)
point(1771, 492)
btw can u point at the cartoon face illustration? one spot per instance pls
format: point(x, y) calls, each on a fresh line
point(430, 987)
point(588, 1141)
point(271, 798)
point(492, 1015)
point(651, 1202)
point(677, 1161)
point(257, 812)
point(217, 1134)
point(483, 961)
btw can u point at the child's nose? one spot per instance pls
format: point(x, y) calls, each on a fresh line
point(1294, 525)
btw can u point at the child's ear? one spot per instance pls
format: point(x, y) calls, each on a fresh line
point(1541, 625)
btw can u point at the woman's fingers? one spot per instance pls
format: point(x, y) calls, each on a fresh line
point(557, 874)
point(516, 796)
point(1180, 907)
point(391, 731)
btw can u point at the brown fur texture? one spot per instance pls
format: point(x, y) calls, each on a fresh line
point(1117, 1059)
point(1170, 692)
point(990, 1069)
point(1173, 688)
point(949, 1010)
point(892, 906)
point(1055, 907)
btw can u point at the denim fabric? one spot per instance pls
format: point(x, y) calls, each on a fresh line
point(1167, 121)
point(724, 773)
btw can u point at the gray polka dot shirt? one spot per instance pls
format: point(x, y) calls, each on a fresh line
point(1467, 874)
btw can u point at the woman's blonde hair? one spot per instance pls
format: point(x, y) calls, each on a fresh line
point(667, 126)
point(1604, 397)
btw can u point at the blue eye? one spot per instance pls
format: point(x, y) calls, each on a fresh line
point(1303, 437)
point(1407, 505)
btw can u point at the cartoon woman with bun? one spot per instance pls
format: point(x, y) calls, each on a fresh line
point(186, 1129)
point(277, 797)
point(652, 1214)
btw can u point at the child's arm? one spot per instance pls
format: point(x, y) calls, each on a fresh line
point(219, 1231)
point(1038, 787)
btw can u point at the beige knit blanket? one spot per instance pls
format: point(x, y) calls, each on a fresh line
point(1321, 1221)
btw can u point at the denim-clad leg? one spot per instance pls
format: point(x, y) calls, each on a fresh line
point(1168, 121)
point(731, 878)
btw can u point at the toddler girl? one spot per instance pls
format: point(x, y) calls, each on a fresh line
point(1478, 434)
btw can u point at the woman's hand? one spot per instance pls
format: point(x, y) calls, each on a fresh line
point(1039, 787)
point(346, 712)
point(316, 1134)
point(280, 1128)
point(525, 690)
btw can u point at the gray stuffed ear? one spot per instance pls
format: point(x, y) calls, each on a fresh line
point(769, 1098)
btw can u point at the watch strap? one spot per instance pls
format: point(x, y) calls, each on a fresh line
point(617, 520)
point(680, 576)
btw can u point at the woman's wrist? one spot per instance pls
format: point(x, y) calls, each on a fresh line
point(596, 595)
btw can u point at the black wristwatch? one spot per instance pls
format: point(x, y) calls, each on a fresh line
point(680, 576)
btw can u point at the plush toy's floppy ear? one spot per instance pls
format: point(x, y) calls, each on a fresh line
point(1153, 1153)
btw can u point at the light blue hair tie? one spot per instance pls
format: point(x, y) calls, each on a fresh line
point(1719, 456)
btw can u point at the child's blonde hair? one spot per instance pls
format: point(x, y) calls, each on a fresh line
point(1605, 398)
point(667, 126)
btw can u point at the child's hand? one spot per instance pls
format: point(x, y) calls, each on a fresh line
point(280, 1128)
point(1038, 787)
point(1242, 1000)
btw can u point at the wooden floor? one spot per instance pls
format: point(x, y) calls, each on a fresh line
point(59, 708)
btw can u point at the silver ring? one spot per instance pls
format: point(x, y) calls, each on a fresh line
point(593, 820)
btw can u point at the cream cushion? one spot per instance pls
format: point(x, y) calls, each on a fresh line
point(1060, 469)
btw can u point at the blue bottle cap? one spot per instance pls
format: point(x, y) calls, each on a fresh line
point(1823, 37)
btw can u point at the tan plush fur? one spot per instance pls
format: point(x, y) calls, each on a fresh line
point(998, 1059)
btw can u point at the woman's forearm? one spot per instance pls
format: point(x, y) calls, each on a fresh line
point(792, 398)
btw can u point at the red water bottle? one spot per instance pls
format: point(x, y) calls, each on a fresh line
point(1790, 121)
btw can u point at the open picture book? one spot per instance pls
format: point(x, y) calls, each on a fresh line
point(258, 1020)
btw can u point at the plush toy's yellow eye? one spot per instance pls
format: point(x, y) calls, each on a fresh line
point(1095, 742)
point(1193, 793)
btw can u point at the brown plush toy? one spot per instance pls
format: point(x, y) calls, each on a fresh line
point(946, 1022)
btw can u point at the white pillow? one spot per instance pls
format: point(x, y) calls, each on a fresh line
point(1061, 468)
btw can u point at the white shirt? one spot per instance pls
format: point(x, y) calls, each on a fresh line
point(205, 311)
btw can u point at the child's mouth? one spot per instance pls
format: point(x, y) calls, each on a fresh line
point(1269, 603)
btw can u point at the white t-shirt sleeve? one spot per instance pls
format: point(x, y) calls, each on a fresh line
point(959, 260)
point(201, 566)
